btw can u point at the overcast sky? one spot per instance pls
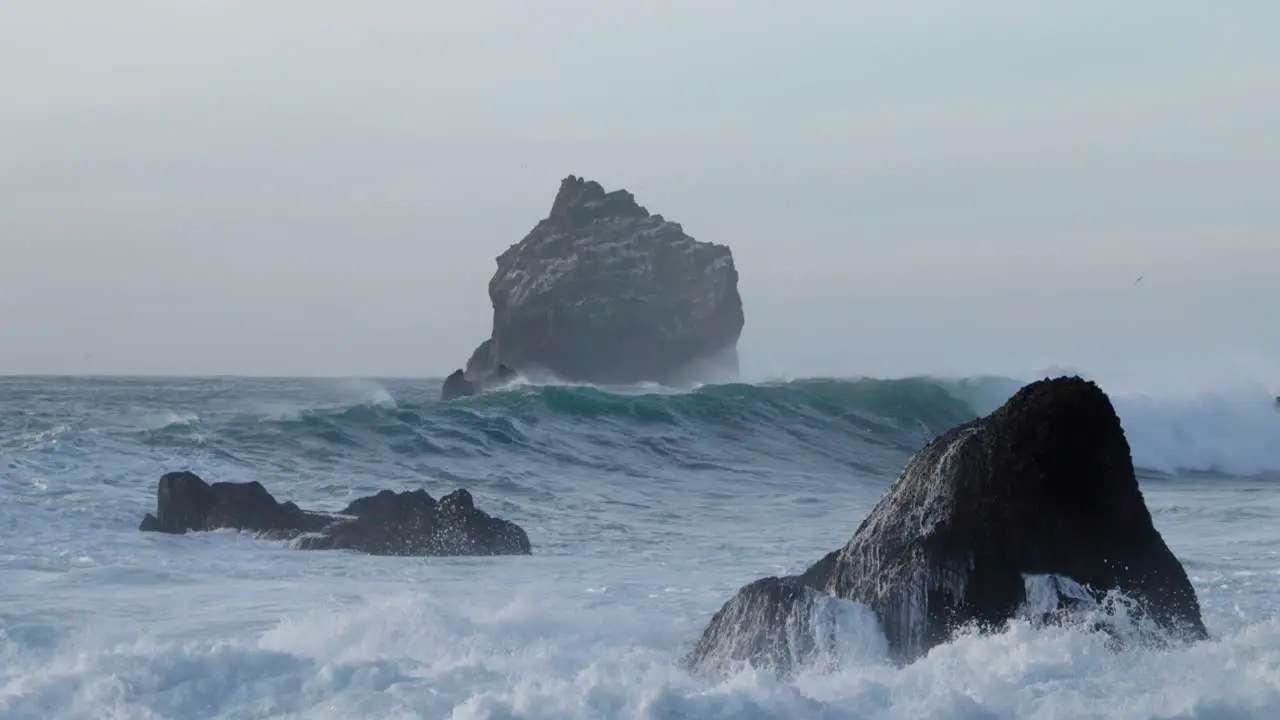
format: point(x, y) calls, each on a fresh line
point(321, 187)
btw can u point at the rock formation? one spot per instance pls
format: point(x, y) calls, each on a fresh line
point(389, 523)
point(784, 624)
point(601, 291)
point(457, 385)
point(1043, 486)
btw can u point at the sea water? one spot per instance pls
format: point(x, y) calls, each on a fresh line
point(647, 510)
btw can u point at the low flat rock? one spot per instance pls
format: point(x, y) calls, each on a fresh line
point(388, 523)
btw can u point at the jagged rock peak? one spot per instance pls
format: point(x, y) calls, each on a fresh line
point(580, 202)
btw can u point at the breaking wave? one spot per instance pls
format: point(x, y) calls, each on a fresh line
point(1233, 431)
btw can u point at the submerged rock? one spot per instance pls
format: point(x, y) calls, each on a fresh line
point(1043, 486)
point(389, 523)
point(601, 291)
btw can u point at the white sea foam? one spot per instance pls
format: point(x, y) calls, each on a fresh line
point(547, 653)
point(634, 551)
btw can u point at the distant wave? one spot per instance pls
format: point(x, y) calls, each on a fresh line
point(1234, 431)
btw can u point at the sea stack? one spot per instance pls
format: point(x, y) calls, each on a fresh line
point(1037, 501)
point(601, 291)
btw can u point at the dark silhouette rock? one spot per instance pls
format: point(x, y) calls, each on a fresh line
point(1043, 486)
point(456, 386)
point(412, 523)
point(502, 375)
point(388, 503)
point(186, 502)
point(388, 523)
point(601, 291)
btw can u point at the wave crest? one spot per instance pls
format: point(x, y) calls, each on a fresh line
point(1231, 430)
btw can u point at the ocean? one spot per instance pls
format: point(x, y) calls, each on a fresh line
point(647, 510)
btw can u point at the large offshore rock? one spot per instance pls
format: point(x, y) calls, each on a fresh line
point(601, 291)
point(1043, 487)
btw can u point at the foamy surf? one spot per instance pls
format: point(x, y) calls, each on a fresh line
point(552, 654)
point(646, 511)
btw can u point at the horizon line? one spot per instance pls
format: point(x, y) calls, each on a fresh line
point(209, 376)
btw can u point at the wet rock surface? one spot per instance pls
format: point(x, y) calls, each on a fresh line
point(388, 523)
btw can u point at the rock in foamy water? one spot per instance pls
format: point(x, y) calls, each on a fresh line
point(784, 623)
point(601, 291)
point(389, 523)
point(1042, 486)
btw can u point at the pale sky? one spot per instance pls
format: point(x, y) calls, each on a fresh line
point(321, 187)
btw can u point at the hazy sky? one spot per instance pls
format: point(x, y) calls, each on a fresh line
point(321, 187)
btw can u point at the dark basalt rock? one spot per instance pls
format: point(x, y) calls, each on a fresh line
point(457, 385)
point(388, 523)
point(1042, 486)
point(501, 375)
point(601, 291)
point(412, 523)
point(186, 502)
point(772, 622)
